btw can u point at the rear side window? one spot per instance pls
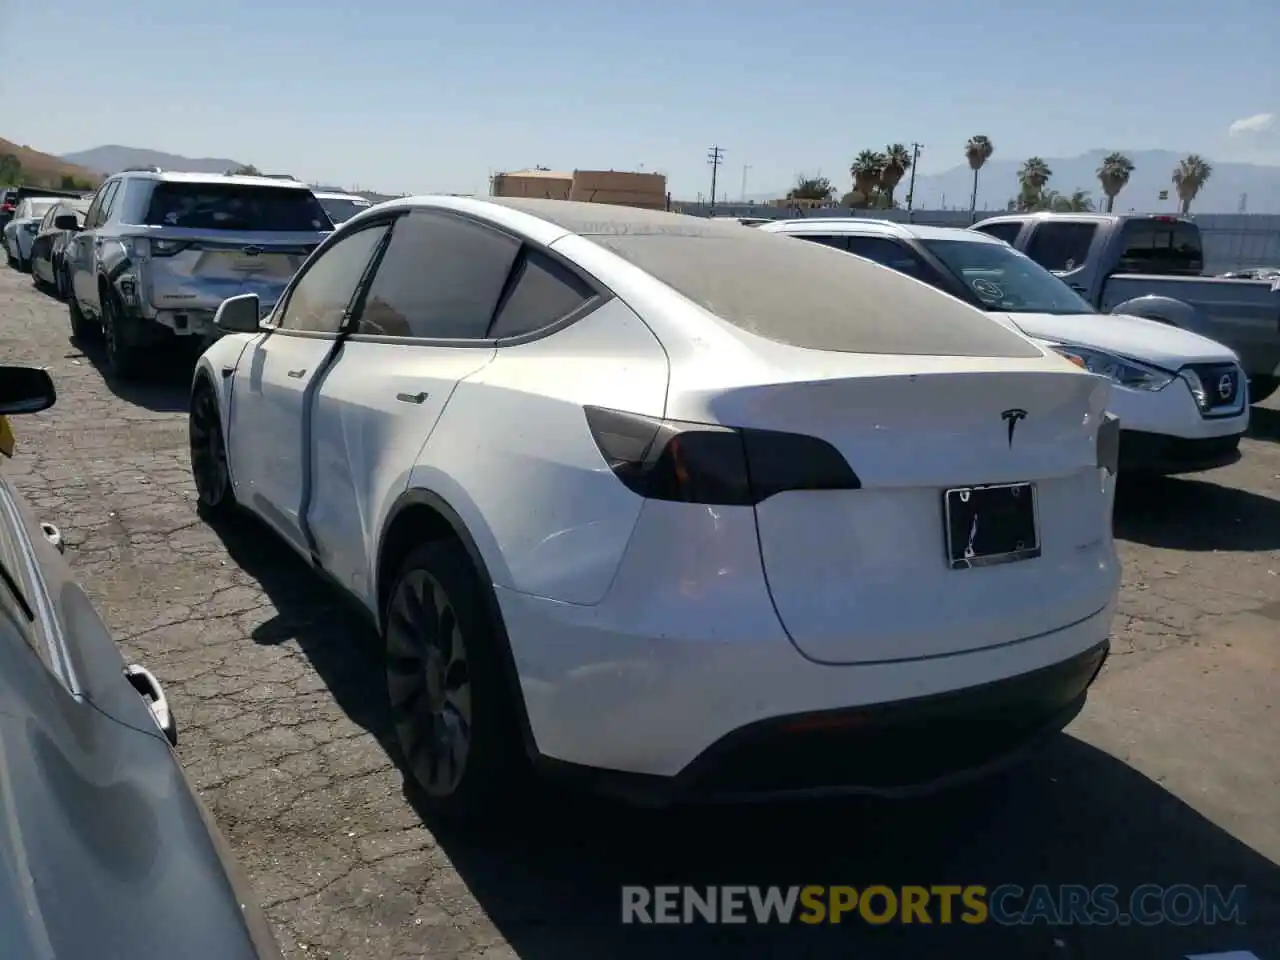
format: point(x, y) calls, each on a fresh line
point(840, 243)
point(892, 255)
point(544, 291)
point(217, 206)
point(1161, 247)
point(1061, 246)
point(806, 296)
point(1006, 230)
point(441, 277)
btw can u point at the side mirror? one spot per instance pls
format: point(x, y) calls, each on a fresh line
point(25, 390)
point(240, 314)
point(66, 221)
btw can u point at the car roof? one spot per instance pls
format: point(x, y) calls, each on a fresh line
point(229, 179)
point(330, 195)
point(865, 227)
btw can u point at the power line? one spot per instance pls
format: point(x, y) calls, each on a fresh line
point(715, 157)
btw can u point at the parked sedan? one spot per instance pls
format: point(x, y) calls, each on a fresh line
point(20, 232)
point(1181, 398)
point(47, 267)
point(106, 852)
point(692, 509)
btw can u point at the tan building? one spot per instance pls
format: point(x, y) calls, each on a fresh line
point(620, 187)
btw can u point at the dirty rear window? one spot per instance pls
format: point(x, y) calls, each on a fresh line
point(341, 209)
point(212, 206)
point(807, 295)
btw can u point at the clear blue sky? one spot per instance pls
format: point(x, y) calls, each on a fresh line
point(434, 95)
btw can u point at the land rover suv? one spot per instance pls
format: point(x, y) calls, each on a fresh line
point(159, 252)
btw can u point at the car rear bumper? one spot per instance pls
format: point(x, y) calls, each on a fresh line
point(688, 709)
point(1142, 452)
point(900, 749)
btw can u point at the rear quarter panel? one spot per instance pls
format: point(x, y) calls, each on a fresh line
point(513, 456)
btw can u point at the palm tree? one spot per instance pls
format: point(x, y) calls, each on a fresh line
point(897, 161)
point(1189, 176)
point(1033, 177)
point(811, 188)
point(1113, 175)
point(865, 171)
point(977, 151)
point(1078, 202)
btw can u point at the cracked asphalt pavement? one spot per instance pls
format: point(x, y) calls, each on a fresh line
point(1171, 775)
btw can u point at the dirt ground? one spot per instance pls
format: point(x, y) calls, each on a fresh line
point(1171, 775)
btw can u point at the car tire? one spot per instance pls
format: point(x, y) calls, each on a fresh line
point(209, 468)
point(124, 361)
point(81, 328)
point(1261, 388)
point(59, 280)
point(451, 707)
point(24, 265)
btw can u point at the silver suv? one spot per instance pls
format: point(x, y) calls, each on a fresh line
point(159, 252)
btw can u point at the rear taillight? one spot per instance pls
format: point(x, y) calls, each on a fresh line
point(707, 463)
point(1109, 443)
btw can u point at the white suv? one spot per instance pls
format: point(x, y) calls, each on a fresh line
point(695, 509)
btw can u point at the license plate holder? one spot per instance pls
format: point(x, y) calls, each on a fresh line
point(989, 525)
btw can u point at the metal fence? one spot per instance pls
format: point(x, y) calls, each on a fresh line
point(1232, 241)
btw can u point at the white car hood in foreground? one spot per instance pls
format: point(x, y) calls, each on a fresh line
point(1132, 337)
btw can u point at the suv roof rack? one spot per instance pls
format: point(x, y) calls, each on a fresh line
point(150, 168)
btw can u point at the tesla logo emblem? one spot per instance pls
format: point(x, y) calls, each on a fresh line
point(1011, 417)
point(1225, 386)
point(252, 251)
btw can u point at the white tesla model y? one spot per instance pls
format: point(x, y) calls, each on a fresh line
point(695, 510)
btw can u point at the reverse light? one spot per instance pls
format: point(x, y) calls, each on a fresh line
point(1120, 370)
point(1109, 443)
point(707, 463)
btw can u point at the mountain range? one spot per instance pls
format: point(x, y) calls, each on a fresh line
point(1259, 186)
point(113, 158)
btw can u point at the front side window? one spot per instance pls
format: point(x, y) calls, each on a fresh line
point(1061, 246)
point(234, 206)
point(440, 278)
point(319, 300)
point(1003, 279)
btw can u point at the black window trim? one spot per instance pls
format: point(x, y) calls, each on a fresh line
point(603, 293)
point(110, 190)
point(357, 295)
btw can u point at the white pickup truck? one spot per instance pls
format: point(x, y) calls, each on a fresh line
point(1151, 266)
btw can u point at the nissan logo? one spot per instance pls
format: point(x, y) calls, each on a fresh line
point(1225, 387)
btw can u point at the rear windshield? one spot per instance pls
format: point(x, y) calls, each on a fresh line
point(341, 209)
point(1161, 247)
point(215, 206)
point(811, 296)
point(40, 207)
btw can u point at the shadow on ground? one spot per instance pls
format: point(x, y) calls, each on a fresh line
point(550, 874)
point(164, 388)
point(1183, 514)
point(1264, 424)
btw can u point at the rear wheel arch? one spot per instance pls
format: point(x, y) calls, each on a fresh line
point(419, 516)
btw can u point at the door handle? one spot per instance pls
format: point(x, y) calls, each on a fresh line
point(297, 374)
point(411, 397)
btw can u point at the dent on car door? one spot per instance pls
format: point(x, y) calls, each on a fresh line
point(276, 379)
point(440, 278)
point(83, 278)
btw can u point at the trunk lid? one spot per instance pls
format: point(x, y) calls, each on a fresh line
point(192, 270)
point(862, 576)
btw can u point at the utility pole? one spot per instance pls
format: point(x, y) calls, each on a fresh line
point(911, 187)
point(745, 168)
point(715, 157)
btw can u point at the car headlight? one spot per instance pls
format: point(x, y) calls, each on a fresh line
point(1127, 373)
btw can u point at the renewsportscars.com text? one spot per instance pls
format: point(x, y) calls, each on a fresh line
point(1007, 904)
